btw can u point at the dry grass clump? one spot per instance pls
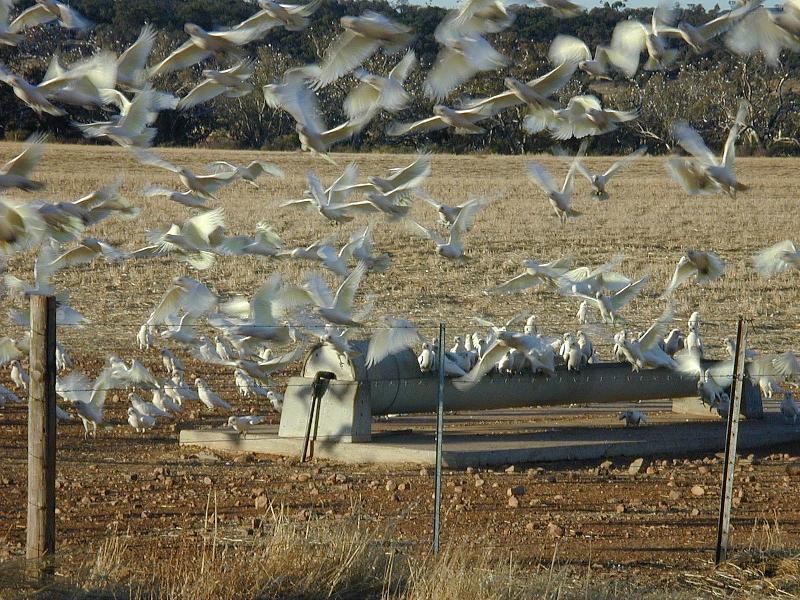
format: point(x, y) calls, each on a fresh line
point(320, 559)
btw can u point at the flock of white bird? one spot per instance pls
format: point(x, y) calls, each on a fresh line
point(248, 332)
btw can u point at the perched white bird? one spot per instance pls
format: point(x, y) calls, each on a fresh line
point(276, 399)
point(163, 402)
point(19, 376)
point(789, 407)
point(242, 425)
point(208, 397)
point(140, 422)
point(87, 397)
point(703, 265)
point(633, 418)
point(147, 408)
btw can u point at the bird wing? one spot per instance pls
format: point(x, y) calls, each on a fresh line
point(786, 364)
point(423, 231)
point(77, 256)
point(490, 358)
point(320, 198)
point(466, 217)
point(360, 99)
point(402, 69)
point(771, 261)
point(683, 271)
point(318, 290)
point(131, 63)
point(398, 334)
point(568, 48)
point(37, 14)
point(71, 19)
point(201, 226)
point(184, 57)
point(691, 141)
point(296, 97)
point(640, 151)
point(628, 293)
point(518, 283)
point(202, 92)
point(345, 53)
point(26, 161)
point(541, 177)
point(690, 178)
point(450, 70)
point(729, 152)
point(657, 330)
point(347, 291)
point(153, 160)
point(429, 124)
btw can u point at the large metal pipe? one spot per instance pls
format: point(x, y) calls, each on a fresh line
point(396, 384)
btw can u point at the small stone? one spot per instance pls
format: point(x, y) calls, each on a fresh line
point(403, 487)
point(479, 482)
point(635, 466)
point(554, 530)
point(619, 508)
point(674, 494)
point(261, 502)
point(530, 527)
point(695, 512)
point(470, 470)
point(391, 486)
point(518, 490)
point(511, 469)
point(513, 502)
point(651, 470)
point(703, 470)
point(423, 472)
point(698, 490)
point(303, 477)
point(207, 480)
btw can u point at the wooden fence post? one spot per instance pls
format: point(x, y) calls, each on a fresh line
point(41, 528)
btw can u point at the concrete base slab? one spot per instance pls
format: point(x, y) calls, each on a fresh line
point(515, 436)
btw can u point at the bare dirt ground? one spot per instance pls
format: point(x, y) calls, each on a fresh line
point(146, 487)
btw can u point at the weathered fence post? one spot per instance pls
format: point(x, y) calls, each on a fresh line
point(731, 438)
point(41, 527)
point(437, 496)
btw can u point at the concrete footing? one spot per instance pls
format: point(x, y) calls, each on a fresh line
point(501, 437)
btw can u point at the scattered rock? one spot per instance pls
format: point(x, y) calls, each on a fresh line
point(695, 512)
point(635, 466)
point(391, 486)
point(513, 501)
point(530, 527)
point(261, 502)
point(479, 482)
point(698, 491)
point(554, 530)
point(620, 508)
point(518, 490)
point(674, 495)
point(703, 470)
point(207, 480)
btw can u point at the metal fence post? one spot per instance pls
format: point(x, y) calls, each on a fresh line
point(41, 525)
point(731, 438)
point(437, 501)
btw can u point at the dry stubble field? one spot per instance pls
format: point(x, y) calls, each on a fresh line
point(156, 496)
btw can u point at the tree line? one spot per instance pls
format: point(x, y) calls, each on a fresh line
point(702, 89)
